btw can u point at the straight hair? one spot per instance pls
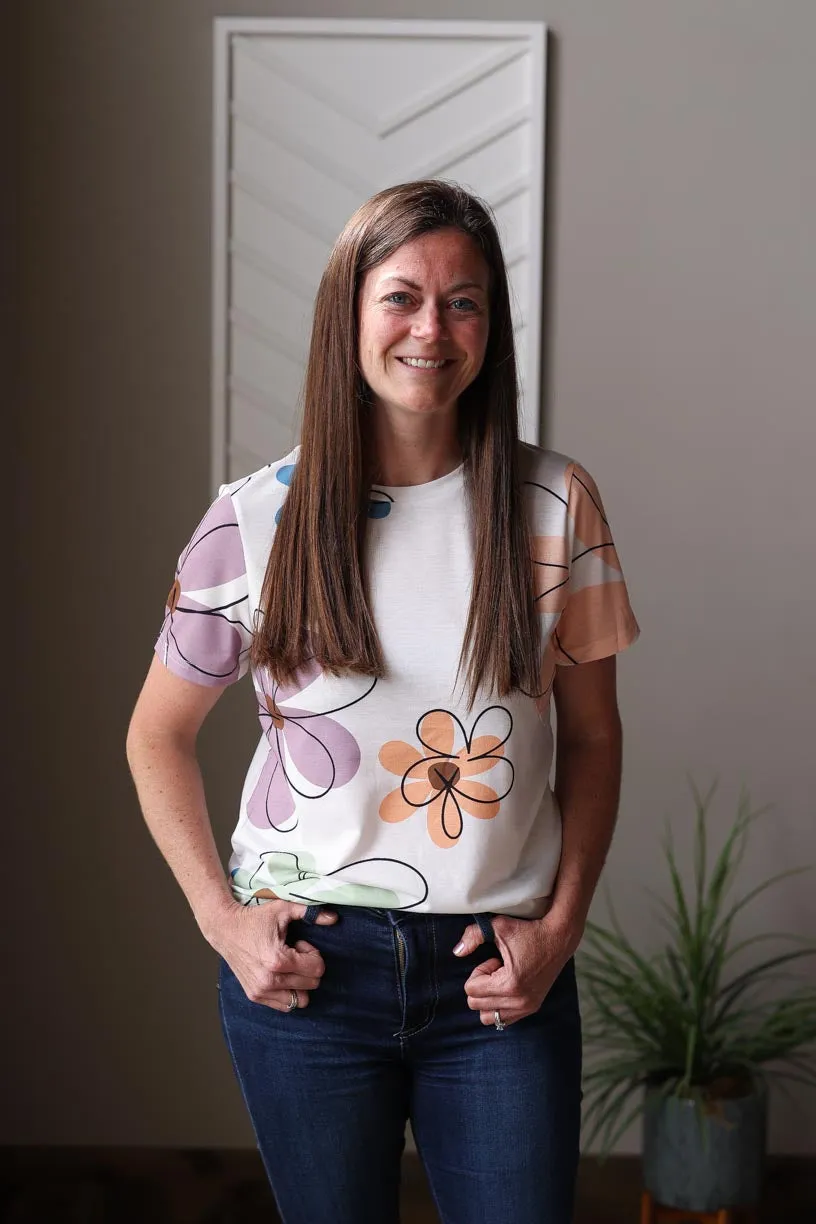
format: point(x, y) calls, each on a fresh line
point(314, 599)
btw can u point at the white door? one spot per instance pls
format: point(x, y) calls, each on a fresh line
point(311, 118)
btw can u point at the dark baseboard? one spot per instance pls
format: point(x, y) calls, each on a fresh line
point(156, 1186)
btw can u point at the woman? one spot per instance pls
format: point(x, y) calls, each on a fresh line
point(409, 589)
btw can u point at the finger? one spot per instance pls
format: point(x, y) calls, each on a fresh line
point(502, 1003)
point(480, 998)
point(270, 995)
point(307, 954)
point(486, 968)
point(306, 972)
point(280, 1000)
point(508, 1016)
point(292, 968)
point(479, 978)
point(470, 941)
point(495, 991)
point(485, 989)
point(306, 949)
point(324, 917)
point(294, 981)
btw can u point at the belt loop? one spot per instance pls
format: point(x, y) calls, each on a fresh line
point(312, 912)
point(485, 926)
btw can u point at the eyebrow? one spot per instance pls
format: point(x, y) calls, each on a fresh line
point(403, 280)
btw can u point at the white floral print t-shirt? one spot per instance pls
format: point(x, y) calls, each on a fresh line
point(390, 792)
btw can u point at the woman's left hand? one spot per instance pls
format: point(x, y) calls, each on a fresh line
point(533, 951)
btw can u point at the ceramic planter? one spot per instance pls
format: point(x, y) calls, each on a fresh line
point(704, 1163)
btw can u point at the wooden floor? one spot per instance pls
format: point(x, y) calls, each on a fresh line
point(145, 1186)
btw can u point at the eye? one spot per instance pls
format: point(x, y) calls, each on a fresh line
point(464, 305)
point(398, 294)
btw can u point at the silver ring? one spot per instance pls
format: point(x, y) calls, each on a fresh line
point(293, 1002)
point(498, 1022)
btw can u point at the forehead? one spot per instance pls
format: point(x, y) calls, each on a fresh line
point(442, 256)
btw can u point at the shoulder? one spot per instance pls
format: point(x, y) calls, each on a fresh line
point(546, 477)
point(539, 465)
point(279, 473)
point(556, 476)
point(255, 493)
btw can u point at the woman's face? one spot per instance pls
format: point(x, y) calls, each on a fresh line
point(426, 303)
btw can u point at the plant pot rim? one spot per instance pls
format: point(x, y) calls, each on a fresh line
point(754, 1087)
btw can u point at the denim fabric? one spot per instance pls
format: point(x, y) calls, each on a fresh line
point(388, 1036)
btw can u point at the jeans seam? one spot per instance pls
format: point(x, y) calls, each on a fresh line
point(239, 1077)
point(437, 1203)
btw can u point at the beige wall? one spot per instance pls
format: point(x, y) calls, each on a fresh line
point(679, 350)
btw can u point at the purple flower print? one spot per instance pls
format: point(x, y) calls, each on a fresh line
point(323, 752)
point(206, 635)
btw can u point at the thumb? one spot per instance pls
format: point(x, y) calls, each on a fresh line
point(325, 918)
point(470, 941)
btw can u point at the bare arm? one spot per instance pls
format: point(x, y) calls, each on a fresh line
point(587, 783)
point(161, 751)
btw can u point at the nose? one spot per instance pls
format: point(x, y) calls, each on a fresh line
point(429, 323)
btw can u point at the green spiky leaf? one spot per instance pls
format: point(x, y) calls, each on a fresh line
point(681, 1019)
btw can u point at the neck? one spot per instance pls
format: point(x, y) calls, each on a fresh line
point(415, 450)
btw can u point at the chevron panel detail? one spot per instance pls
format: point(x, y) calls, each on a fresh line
point(315, 121)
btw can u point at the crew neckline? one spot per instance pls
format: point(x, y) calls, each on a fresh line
point(427, 488)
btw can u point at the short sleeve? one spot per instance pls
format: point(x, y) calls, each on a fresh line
point(597, 619)
point(206, 633)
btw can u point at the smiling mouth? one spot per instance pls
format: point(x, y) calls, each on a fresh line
point(423, 363)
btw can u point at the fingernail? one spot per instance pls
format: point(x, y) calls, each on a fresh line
point(459, 949)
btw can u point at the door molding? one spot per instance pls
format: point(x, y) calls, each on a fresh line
point(515, 48)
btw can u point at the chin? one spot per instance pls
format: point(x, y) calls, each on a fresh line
point(418, 406)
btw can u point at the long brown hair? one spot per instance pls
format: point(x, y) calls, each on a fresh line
point(314, 593)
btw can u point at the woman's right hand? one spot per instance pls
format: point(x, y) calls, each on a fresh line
point(252, 940)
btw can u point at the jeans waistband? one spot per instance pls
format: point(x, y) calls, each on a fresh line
point(397, 917)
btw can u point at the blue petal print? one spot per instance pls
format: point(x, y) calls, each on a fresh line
point(377, 508)
point(379, 505)
point(284, 475)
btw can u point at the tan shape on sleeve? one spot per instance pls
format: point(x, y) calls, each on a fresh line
point(587, 512)
point(550, 572)
point(598, 621)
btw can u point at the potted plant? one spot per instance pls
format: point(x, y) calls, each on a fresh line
point(683, 1037)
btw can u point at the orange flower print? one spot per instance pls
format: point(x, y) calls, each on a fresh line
point(440, 776)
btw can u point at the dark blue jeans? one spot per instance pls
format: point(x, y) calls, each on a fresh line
point(388, 1036)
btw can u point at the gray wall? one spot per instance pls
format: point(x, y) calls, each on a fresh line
point(679, 352)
